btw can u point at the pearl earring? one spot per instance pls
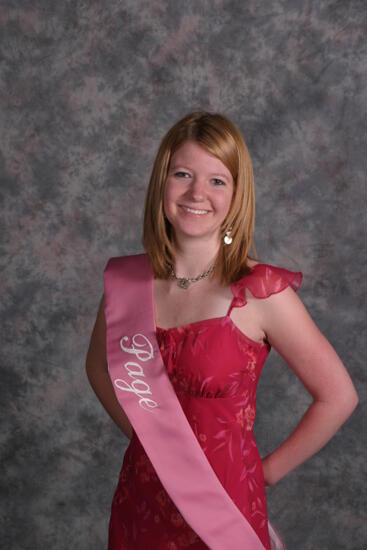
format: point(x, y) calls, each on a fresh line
point(227, 238)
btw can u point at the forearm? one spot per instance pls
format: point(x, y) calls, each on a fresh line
point(315, 429)
point(101, 383)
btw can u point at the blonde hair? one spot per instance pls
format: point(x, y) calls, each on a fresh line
point(219, 137)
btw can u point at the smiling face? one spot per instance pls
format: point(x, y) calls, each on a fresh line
point(198, 193)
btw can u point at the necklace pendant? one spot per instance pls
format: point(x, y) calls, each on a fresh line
point(183, 283)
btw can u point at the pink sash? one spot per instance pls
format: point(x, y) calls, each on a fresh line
point(145, 393)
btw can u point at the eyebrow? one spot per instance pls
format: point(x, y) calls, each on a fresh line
point(175, 166)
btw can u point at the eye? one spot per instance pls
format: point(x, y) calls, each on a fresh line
point(221, 182)
point(181, 174)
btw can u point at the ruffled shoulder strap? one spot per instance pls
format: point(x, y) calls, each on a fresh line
point(263, 281)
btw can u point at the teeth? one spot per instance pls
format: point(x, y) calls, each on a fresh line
point(195, 211)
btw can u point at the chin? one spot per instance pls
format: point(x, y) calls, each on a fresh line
point(205, 235)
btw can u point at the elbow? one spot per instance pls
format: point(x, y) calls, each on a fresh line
point(342, 404)
point(87, 372)
point(87, 366)
point(89, 369)
point(353, 401)
point(347, 403)
point(94, 370)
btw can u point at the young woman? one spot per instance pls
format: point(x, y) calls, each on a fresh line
point(216, 311)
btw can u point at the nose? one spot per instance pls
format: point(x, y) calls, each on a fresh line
point(197, 189)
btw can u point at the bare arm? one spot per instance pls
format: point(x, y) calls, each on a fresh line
point(97, 372)
point(294, 335)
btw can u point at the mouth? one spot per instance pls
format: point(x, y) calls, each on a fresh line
point(196, 211)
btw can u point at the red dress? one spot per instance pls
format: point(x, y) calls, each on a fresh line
point(214, 368)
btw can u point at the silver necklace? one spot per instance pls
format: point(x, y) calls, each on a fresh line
point(184, 282)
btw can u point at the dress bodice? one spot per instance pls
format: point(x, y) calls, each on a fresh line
point(212, 357)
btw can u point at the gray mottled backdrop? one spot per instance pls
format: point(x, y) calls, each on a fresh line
point(88, 88)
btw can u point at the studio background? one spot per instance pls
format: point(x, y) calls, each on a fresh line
point(88, 89)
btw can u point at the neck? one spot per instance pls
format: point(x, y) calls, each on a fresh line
point(192, 259)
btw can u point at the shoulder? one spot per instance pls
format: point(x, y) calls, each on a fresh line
point(264, 280)
point(128, 260)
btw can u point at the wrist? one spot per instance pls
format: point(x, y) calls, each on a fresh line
point(268, 477)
